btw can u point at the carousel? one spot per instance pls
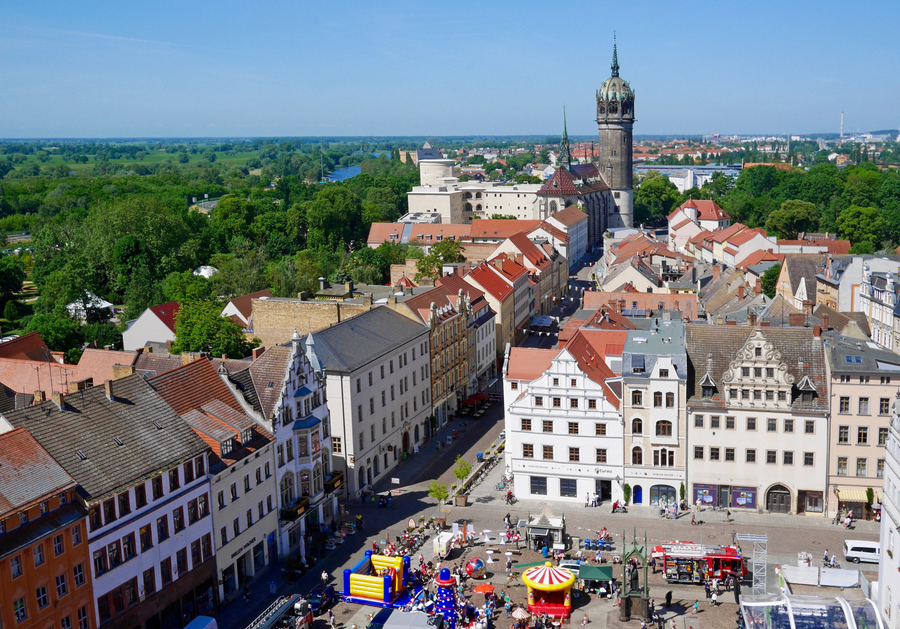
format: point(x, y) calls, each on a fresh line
point(549, 590)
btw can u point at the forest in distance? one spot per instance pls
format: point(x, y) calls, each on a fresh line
point(117, 220)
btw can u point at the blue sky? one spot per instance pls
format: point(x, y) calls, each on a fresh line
point(228, 68)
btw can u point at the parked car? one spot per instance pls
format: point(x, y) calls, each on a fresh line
point(321, 597)
point(859, 550)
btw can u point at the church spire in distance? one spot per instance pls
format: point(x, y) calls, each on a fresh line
point(565, 155)
point(615, 61)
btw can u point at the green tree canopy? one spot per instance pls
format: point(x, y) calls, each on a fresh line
point(60, 333)
point(770, 280)
point(858, 224)
point(12, 276)
point(185, 286)
point(655, 198)
point(792, 218)
point(335, 220)
point(444, 252)
point(199, 328)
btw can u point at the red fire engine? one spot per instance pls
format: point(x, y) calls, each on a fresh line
point(694, 563)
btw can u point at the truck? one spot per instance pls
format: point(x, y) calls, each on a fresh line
point(286, 612)
point(695, 563)
point(322, 597)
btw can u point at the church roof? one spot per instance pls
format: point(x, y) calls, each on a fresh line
point(561, 184)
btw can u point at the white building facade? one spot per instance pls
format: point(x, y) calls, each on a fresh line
point(889, 567)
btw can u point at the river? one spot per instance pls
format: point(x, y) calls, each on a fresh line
point(344, 173)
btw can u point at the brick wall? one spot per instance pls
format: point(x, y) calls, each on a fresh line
point(274, 320)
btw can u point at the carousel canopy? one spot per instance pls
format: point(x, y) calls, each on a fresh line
point(547, 578)
point(808, 612)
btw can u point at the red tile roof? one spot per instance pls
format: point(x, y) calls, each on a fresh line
point(530, 250)
point(686, 303)
point(761, 256)
point(721, 235)
point(511, 270)
point(746, 236)
point(166, 313)
point(381, 232)
point(28, 474)
point(193, 385)
point(529, 363)
point(501, 229)
point(27, 347)
point(834, 247)
point(422, 231)
point(706, 210)
point(588, 348)
point(491, 281)
point(570, 216)
point(561, 184)
point(244, 303)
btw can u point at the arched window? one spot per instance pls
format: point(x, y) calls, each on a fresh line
point(304, 483)
point(553, 207)
point(468, 207)
point(664, 428)
point(477, 195)
point(287, 490)
point(637, 426)
point(637, 456)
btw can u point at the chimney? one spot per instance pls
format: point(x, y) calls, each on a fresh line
point(717, 270)
point(765, 324)
point(757, 290)
point(825, 322)
point(741, 292)
point(258, 351)
point(301, 295)
point(520, 259)
point(168, 347)
point(796, 319)
point(391, 301)
point(108, 388)
point(187, 357)
point(498, 263)
point(322, 283)
point(120, 371)
point(349, 286)
point(367, 299)
point(751, 319)
point(58, 400)
point(224, 356)
point(38, 397)
point(81, 385)
point(731, 322)
point(817, 331)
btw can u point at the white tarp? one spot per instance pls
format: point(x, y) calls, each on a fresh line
point(801, 575)
point(839, 578)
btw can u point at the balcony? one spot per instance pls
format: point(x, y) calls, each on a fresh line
point(296, 510)
point(334, 482)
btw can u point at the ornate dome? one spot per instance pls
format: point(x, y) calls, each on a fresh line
point(615, 88)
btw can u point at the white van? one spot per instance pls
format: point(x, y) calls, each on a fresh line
point(858, 550)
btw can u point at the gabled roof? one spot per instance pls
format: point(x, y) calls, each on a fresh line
point(28, 474)
point(803, 267)
point(153, 437)
point(360, 340)
point(442, 297)
point(27, 347)
point(491, 281)
point(500, 229)
point(589, 349)
point(746, 236)
point(706, 210)
point(761, 255)
point(721, 235)
point(561, 184)
point(570, 216)
point(529, 363)
point(531, 251)
point(244, 303)
point(267, 374)
point(193, 385)
point(166, 313)
point(421, 231)
point(382, 232)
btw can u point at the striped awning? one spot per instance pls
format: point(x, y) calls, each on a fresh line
point(547, 578)
point(852, 495)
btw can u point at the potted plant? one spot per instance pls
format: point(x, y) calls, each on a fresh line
point(461, 471)
point(626, 493)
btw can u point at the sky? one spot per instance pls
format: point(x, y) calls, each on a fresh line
point(197, 68)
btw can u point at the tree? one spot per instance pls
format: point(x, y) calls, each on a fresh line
point(101, 334)
point(654, 199)
point(60, 333)
point(463, 468)
point(199, 328)
point(438, 491)
point(792, 218)
point(12, 276)
point(185, 286)
point(770, 280)
point(10, 311)
point(858, 224)
point(445, 252)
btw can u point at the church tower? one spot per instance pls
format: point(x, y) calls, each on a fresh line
point(615, 122)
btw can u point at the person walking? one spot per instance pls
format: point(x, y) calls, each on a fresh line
point(508, 565)
point(715, 598)
point(696, 607)
point(826, 556)
point(727, 516)
point(508, 608)
point(668, 599)
point(693, 519)
point(324, 577)
point(706, 587)
point(331, 620)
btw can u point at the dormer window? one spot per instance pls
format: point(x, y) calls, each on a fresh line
point(226, 446)
point(247, 436)
point(708, 391)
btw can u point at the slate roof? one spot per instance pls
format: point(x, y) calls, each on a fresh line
point(803, 267)
point(27, 347)
point(838, 321)
point(28, 474)
point(90, 423)
point(166, 313)
point(358, 341)
point(849, 355)
point(715, 346)
point(11, 400)
point(267, 374)
point(243, 382)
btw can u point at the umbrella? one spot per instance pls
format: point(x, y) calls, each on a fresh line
point(484, 588)
point(470, 402)
point(478, 396)
point(520, 613)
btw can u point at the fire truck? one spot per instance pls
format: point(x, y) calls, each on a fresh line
point(286, 612)
point(695, 563)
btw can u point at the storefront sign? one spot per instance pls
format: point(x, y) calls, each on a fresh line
point(240, 550)
point(743, 497)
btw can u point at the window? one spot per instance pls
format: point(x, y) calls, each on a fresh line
point(174, 481)
point(745, 394)
point(772, 425)
point(842, 464)
point(196, 557)
point(809, 459)
point(637, 426)
point(862, 435)
point(663, 373)
point(637, 398)
point(751, 423)
point(178, 519)
point(729, 423)
point(771, 457)
point(713, 454)
point(547, 426)
point(76, 535)
point(698, 421)
point(862, 467)
point(527, 450)
point(58, 546)
point(770, 395)
point(526, 424)
point(884, 406)
point(863, 406)
point(573, 402)
point(336, 447)
point(770, 372)
point(557, 402)
point(189, 470)
point(745, 372)
point(556, 382)
point(568, 487)
point(573, 428)
point(729, 454)
point(149, 581)
point(246, 483)
point(538, 400)
point(757, 372)
point(181, 560)
point(62, 588)
point(601, 455)
point(38, 552)
point(19, 609)
point(223, 534)
point(140, 496)
point(698, 453)
point(514, 386)
point(657, 399)
point(600, 429)
point(637, 456)
point(809, 427)
point(879, 468)
point(788, 458)
point(15, 566)
point(124, 504)
point(789, 425)
point(162, 528)
point(670, 400)
point(157, 485)
point(548, 453)
point(165, 570)
point(574, 455)
point(78, 575)
point(664, 429)
point(882, 436)
point(782, 396)
point(65, 623)
point(592, 404)
point(751, 456)
point(83, 618)
point(109, 511)
point(714, 421)
point(843, 434)
point(41, 595)
point(193, 512)
point(146, 537)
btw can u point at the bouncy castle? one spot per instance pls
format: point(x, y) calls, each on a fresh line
point(378, 580)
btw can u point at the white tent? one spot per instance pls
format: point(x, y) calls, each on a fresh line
point(77, 309)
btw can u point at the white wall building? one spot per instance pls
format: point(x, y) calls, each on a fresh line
point(155, 325)
point(889, 568)
point(563, 434)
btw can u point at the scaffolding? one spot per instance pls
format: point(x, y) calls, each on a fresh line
point(760, 560)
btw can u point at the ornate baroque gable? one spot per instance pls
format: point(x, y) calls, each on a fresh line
point(758, 376)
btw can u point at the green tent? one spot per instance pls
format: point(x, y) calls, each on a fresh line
point(595, 573)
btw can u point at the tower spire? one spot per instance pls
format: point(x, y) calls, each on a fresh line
point(615, 61)
point(565, 155)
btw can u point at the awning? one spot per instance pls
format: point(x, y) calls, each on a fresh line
point(852, 495)
point(479, 396)
point(595, 573)
point(538, 531)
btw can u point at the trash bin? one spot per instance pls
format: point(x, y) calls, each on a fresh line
point(545, 552)
point(480, 457)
